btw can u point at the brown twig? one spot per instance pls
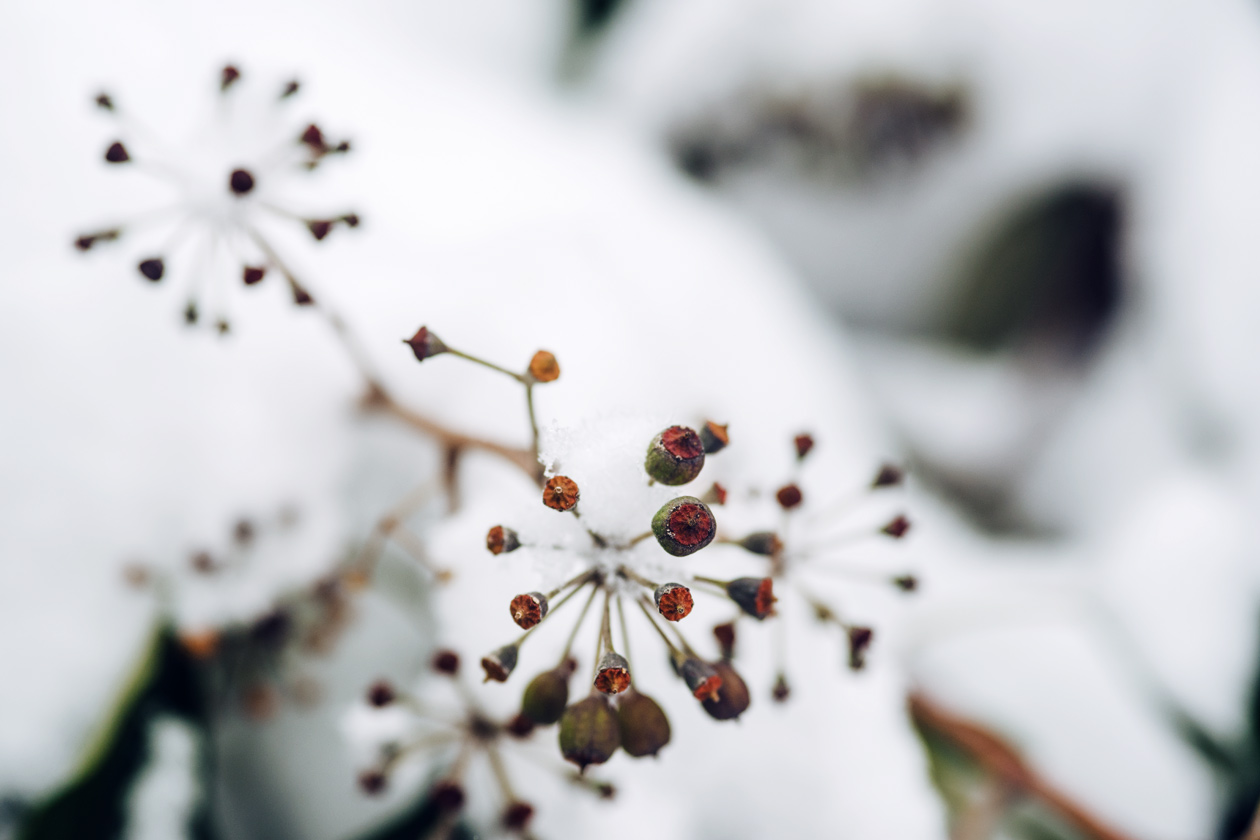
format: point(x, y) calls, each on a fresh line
point(1002, 762)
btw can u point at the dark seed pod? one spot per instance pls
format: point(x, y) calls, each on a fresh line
point(516, 816)
point(500, 540)
point(613, 674)
point(725, 635)
point(499, 664)
point(152, 268)
point(781, 690)
point(560, 493)
point(715, 495)
point(713, 437)
point(766, 543)
point(589, 732)
point(425, 344)
point(889, 475)
point(755, 596)
point(240, 182)
point(906, 583)
point(351, 219)
point(381, 694)
point(675, 456)
point(732, 697)
point(897, 528)
point(372, 782)
point(700, 677)
point(253, 274)
point(529, 609)
point(446, 662)
point(104, 102)
point(448, 796)
point(117, 153)
point(644, 726)
point(789, 496)
point(547, 695)
point(520, 726)
point(684, 526)
point(290, 89)
point(803, 443)
point(543, 367)
point(673, 601)
point(228, 77)
point(859, 643)
point(319, 228)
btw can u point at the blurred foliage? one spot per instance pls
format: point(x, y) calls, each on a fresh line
point(94, 803)
point(1048, 277)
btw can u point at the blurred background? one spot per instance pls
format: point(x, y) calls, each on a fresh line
point(1009, 246)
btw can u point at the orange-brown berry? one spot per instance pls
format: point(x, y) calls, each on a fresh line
point(544, 367)
point(684, 526)
point(529, 609)
point(789, 496)
point(560, 493)
point(725, 635)
point(499, 664)
point(673, 601)
point(613, 674)
point(675, 456)
point(714, 437)
point(715, 495)
point(701, 678)
point(755, 596)
point(500, 540)
point(803, 443)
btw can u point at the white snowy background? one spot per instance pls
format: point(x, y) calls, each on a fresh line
point(510, 212)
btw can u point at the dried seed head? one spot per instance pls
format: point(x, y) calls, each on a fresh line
point(803, 443)
point(675, 456)
point(766, 543)
point(116, 153)
point(560, 493)
point(544, 367)
point(684, 526)
point(906, 583)
point(789, 496)
point(715, 495)
point(859, 642)
point(897, 528)
point(714, 437)
point(446, 662)
point(589, 732)
point(673, 601)
point(529, 609)
point(520, 726)
point(372, 782)
point(725, 635)
point(381, 694)
point(781, 690)
point(547, 695)
point(500, 540)
point(313, 137)
point(301, 296)
point(319, 228)
point(889, 475)
point(517, 815)
point(732, 697)
point(228, 77)
point(252, 274)
point(290, 89)
point(104, 102)
point(447, 796)
point(643, 724)
point(498, 664)
point(755, 596)
point(152, 268)
point(425, 344)
point(240, 182)
point(701, 678)
point(613, 674)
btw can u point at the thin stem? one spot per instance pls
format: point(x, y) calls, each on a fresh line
point(714, 581)
point(631, 574)
point(500, 772)
point(673, 649)
point(640, 538)
point(574, 581)
point(625, 634)
point(479, 361)
point(533, 418)
point(573, 635)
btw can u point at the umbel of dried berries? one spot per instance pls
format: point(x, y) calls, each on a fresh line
point(644, 726)
point(675, 456)
point(589, 731)
point(684, 525)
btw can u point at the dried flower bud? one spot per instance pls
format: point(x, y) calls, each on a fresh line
point(755, 596)
point(789, 496)
point(517, 815)
point(498, 664)
point(240, 182)
point(889, 475)
point(643, 724)
point(500, 540)
point(804, 443)
point(589, 731)
point(701, 678)
point(544, 367)
point(547, 695)
point(906, 583)
point(301, 296)
point(447, 796)
point(675, 456)
point(897, 528)
point(228, 77)
point(713, 437)
point(253, 274)
point(715, 495)
point(446, 662)
point(673, 601)
point(319, 228)
point(381, 694)
point(520, 726)
point(613, 674)
point(117, 153)
point(350, 219)
point(781, 690)
point(766, 543)
point(560, 493)
point(152, 268)
point(725, 635)
point(529, 609)
point(684, 526)
point(859, 642)
point(732, 697)
point(372, 782)
point(425, 344)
